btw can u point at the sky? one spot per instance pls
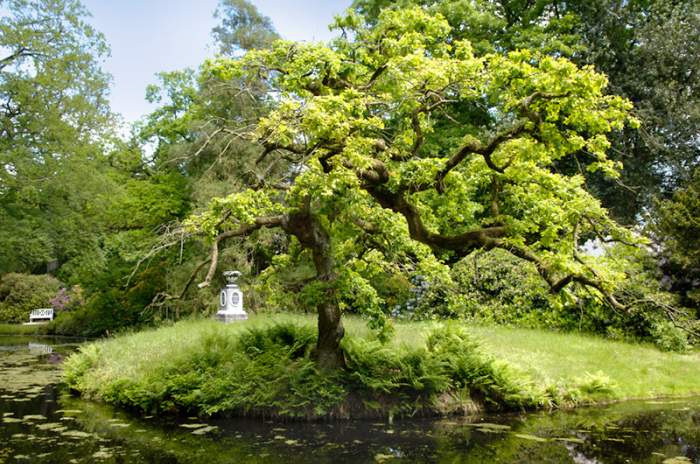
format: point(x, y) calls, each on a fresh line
point(150, 36)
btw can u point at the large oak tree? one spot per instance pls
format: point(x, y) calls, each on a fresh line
point(398, 133)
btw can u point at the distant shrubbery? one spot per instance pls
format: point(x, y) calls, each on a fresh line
point(496, 287)
point(67, 299)
point(101, 313)
point(21, 293)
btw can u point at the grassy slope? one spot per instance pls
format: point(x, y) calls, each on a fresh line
point(639, 370)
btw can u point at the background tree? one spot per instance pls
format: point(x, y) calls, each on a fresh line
point(676, 227)
point(54, 118)
point(75, 200)
point(649, 51)
point(195, 133)
point(241, 27)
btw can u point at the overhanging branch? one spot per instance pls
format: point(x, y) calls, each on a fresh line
point(244, 230)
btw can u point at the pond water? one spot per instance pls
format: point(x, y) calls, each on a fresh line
point(40, 422)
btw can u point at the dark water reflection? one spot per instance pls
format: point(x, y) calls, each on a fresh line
point(41, 423)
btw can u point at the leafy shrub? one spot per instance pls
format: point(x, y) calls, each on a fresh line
point(21, 293)
point(262, 370)
point(668, 337)
point(597, 383)
point(403, 374)
point(14, 314)
point(492, 382)
point(581, 390)
point(102, 316)
point(84, 322)
point(497, 287)
point(76, 367)
point(297, 339)
point(112, 307)
point(68, 299)
point(394, 289)
point(654, 315)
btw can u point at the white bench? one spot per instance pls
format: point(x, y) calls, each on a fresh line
point(41, 314)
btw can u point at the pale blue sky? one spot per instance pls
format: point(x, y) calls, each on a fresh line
point(149, 36)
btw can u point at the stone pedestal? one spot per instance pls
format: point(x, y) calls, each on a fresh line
point(231, 300)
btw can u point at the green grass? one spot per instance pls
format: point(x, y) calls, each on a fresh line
point(263, 367)
point(20, 329)
point(638, 370)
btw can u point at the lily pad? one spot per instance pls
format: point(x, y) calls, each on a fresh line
point(488, 425)
point(490, 431)
point(102, 454)
point(76, 434)
point(205, 430)
point(570, 440)
point(50, 426)
point(677, 460)
point(379, 458)
point(193, 426)
point(527, 436)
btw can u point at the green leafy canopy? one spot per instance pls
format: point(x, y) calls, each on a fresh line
point(395, 132)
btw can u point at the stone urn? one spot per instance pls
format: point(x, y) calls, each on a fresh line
point(231, 300)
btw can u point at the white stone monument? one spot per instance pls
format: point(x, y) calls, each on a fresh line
point(231, 300)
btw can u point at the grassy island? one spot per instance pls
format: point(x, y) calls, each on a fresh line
point(264, 367)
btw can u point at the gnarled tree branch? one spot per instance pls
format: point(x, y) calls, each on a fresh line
point(246, 229)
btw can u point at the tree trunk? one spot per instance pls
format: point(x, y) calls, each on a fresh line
point(312, 235)
point(329, 355)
